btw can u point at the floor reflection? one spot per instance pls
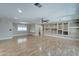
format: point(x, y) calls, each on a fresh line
point(39, 46)
point(49, 54)
point(21, 40)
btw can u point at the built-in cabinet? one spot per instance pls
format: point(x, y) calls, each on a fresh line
point(63, 28)
point(50, 28)
point(60, 28)
point(74, 29)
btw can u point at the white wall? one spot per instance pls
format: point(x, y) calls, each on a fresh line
point(38, 29)
point(5, 26)
point(31, 29)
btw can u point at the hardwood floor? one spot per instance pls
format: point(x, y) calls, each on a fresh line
point(39, 46)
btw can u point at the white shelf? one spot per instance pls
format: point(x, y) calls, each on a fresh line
point(60, 28)
point(73, 27)
point(65, 30)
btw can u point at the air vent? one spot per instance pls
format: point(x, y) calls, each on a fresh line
point(38, 5)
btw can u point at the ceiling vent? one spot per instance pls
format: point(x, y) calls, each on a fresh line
point(38, 5)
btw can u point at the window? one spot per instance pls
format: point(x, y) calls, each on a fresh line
point(22, 28)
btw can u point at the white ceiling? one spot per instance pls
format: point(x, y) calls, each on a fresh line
point(31, 13)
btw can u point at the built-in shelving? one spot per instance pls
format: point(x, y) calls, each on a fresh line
point(74, 24)
point(50, 28)
point(60, 28)
point(74, 28)
point(65, 26)
point(65, 32)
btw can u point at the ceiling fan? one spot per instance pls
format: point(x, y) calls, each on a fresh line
point(44, 21)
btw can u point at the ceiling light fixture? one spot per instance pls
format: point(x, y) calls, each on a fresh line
point(19, 10)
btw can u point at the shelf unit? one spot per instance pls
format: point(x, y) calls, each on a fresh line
point(65, 28)
point(74, 29)
point(50, 28)
point(60, 28)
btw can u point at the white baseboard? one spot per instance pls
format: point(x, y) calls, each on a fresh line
point(60, 36)
point(19, 34)
point(4, 38)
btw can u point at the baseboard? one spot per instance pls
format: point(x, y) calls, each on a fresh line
point(58, 36)
point(6, 38)
point(20, 34)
